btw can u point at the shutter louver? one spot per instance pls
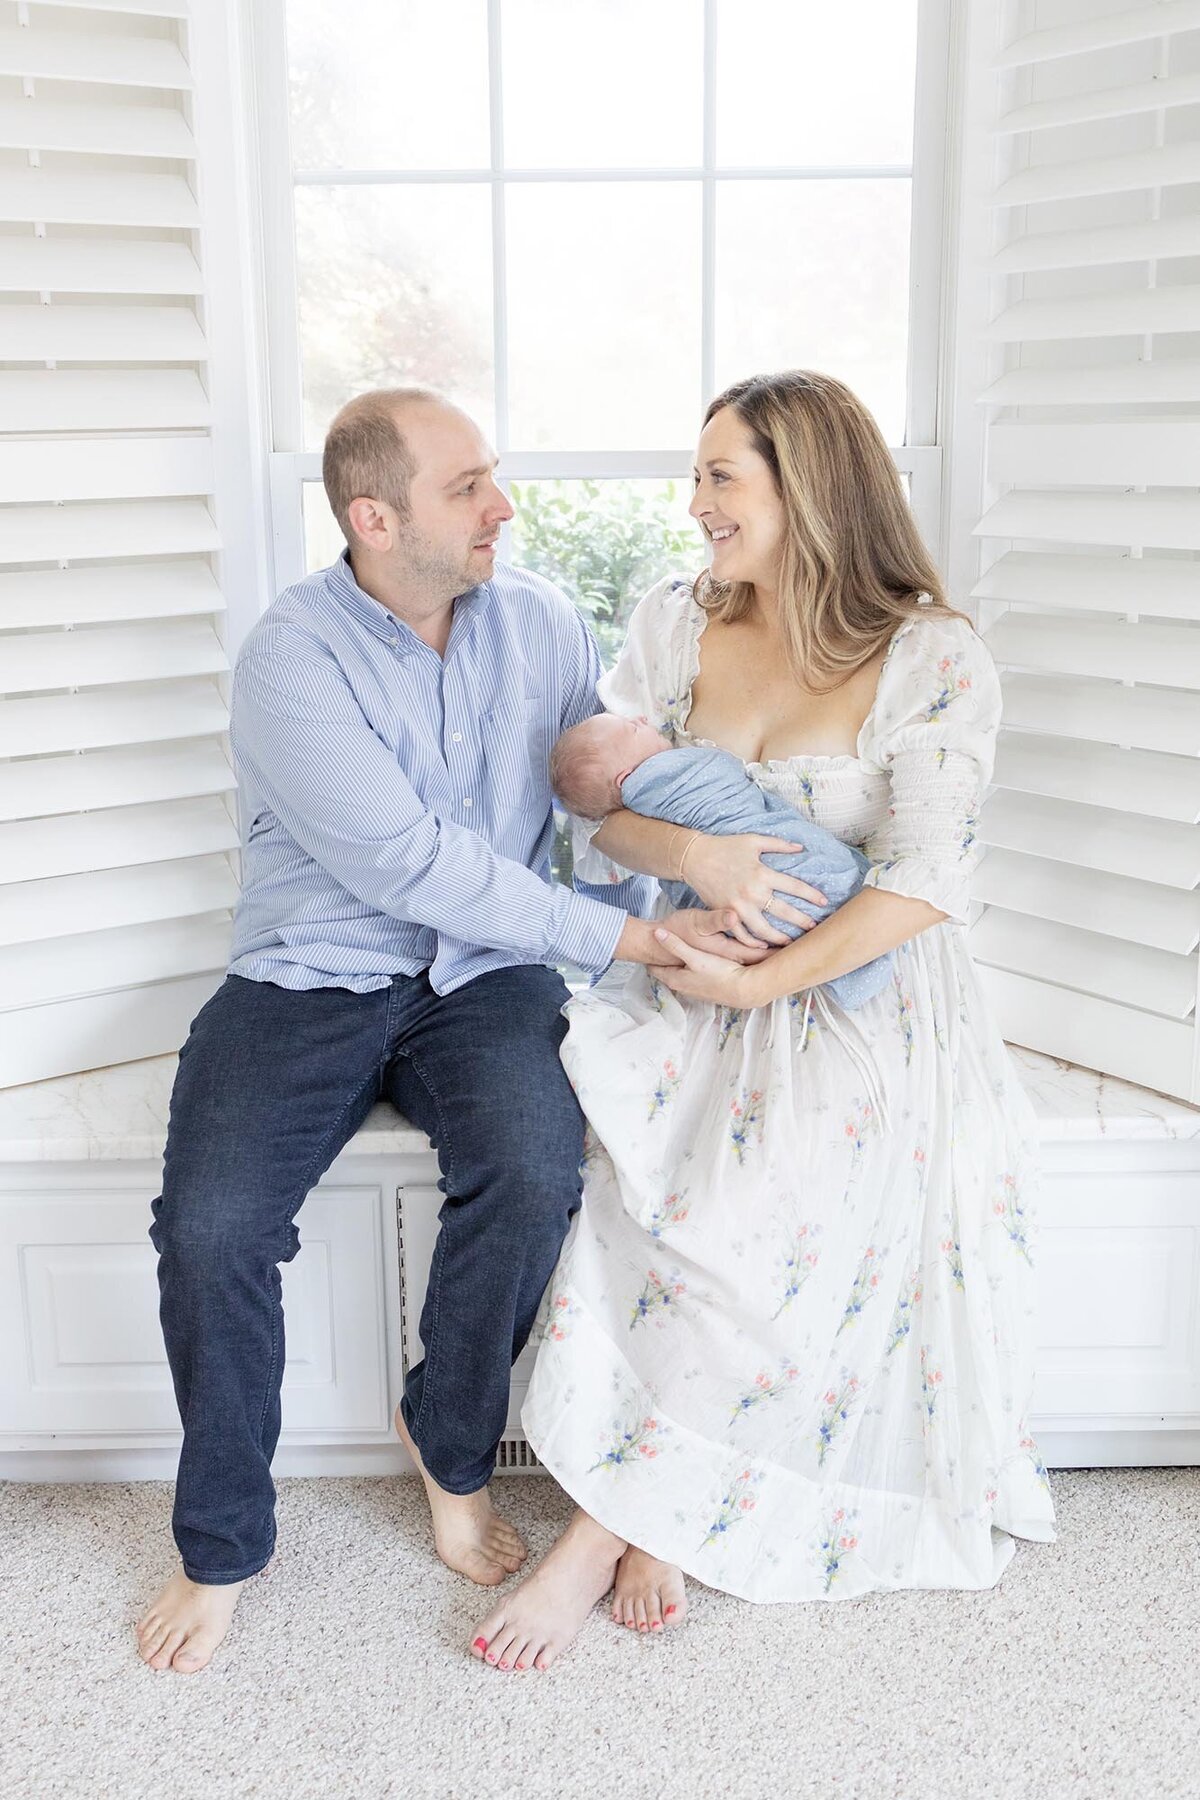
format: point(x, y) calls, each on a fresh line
point(118, 835)
point(1088, 928)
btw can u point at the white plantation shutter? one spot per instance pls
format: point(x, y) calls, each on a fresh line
point(1089, 925)
point(117, 831)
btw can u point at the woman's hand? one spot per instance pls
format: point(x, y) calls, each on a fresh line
point(704, 976)
point(705, 932)
point(729, 873)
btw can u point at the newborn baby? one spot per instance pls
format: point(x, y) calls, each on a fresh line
point(608, 762)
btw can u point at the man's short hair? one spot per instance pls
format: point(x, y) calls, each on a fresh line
point(366, 455)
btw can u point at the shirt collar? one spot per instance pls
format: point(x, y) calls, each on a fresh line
point(385, 625)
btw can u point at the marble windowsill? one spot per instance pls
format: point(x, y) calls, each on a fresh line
point(120, 1113)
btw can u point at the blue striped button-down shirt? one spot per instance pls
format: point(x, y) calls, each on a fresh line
point(397, 803)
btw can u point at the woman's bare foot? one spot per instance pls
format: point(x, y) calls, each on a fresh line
point(186, 1623)
point(648, 1595)
point(470, 1536)
point(537, 1620)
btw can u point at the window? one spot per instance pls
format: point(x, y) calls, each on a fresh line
point(581, 222)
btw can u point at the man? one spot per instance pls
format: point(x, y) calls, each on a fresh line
point(392, 720)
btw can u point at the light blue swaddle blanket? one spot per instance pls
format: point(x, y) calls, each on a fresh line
point(710, 791)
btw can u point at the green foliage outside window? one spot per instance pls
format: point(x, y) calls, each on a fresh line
point(604, 543)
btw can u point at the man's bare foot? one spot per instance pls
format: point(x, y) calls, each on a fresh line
point(533, 1624)
point(186, 1623)
point(470, 1536)
point(648, 1595)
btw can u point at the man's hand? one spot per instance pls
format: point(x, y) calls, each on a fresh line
point(705, 931)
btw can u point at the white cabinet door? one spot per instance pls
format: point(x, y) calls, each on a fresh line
point(80, 1347)
point(1118, 1296)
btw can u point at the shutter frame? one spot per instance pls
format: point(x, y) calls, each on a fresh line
point(1088, 527)
point(117, 794)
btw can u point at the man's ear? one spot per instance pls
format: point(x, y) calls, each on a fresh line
point(371, 524)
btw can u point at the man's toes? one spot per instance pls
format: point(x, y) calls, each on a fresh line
point(480, 1568)
point(166, 1650)
point(151, 1640)
point(195, 1655)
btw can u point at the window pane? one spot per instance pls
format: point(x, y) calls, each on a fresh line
point(604, 315)
point(790, 297)
point(605, 543)
point(323, 542)
point(615, 84)
point(388, 84)
point(802, 83)
point(395, 285)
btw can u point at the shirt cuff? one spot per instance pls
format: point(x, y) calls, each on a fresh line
point(589, 932)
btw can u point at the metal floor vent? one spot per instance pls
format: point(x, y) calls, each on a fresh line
point(513, 1454)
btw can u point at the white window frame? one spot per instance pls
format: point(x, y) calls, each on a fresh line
point(291, 464)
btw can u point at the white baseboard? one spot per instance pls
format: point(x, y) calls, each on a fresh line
point(1059, 1450)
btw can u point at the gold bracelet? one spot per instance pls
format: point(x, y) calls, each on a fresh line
point(671, 849)
point(688, 847)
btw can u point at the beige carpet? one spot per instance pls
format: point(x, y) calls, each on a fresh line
point(346, 1675)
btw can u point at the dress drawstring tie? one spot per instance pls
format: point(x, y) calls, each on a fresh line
point(836, 1023)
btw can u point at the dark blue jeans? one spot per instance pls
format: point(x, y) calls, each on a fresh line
point(271, 1084)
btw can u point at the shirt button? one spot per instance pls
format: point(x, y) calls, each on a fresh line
point(456, 737)
point(467, 801)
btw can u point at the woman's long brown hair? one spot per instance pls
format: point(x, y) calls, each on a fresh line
point(853, 567)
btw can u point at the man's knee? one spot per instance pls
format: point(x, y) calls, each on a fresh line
point(208, 1232)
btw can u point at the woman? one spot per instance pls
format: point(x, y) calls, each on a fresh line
point(788, 1345)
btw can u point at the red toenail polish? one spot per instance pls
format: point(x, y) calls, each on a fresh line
point(490, 1657)
point(504, 1665)
point(479, 1644)
point(656, 1624)
point(520, 1665)
point(669, 1610)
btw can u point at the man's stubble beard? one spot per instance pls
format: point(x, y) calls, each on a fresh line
point(439, 573)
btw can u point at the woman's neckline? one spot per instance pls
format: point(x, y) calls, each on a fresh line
point(700, 619)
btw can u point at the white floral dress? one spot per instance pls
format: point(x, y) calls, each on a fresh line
point(789, 1342)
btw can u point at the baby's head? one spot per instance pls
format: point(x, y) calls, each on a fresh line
point(589, 762)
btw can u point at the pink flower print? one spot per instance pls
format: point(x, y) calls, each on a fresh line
point(905, 1010)
point(798, 1265)
point(838, 1404)
point(1011, 1214)
point(737, 1501)
point(953, 1254)
point(665, 1089)
point(952, 685)
point(656, 1298)
point(856, 1131)
point(902, 1317)
point(864, 1286)
point(746, 1122)
point(1039, 1467)
point(671, 1211)
point(630, 1445)
point(558, 1319)
point(766, 1387)
point(835, 1543)
point(931, 1381)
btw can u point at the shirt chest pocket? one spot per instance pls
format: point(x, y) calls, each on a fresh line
point(517, 741)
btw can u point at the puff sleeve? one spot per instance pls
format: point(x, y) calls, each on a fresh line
point(933, 731)
point(651, 679)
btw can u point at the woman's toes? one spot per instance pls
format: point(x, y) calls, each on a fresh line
point(618, 1609)
point(639, 1614)
point(654, 1610)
